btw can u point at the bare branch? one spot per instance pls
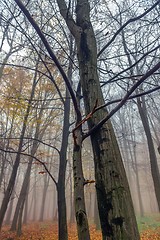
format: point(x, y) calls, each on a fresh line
point(50, 51)
point(123, 101)
point(28, 155)
point(133, 65)
point(131, 97)
point(37, 140)
point(95, 109)
point(65, 12)
point(125, 24)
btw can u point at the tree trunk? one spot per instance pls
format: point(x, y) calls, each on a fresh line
point(71, 201)
point(22, 195)
point(12, 178)
point(35, 198)
point(153, 159)
point(62, 215)
point(44, 195)
point(25, 217)
point(96, 215)
point(79, 200)
point(158, 149)
point(127, 159)
point(62, 218)
point(138, 185)
point(19, 227)
point(10, 208)
point(114, 200)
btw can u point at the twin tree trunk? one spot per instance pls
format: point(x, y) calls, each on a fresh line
point(114, 200)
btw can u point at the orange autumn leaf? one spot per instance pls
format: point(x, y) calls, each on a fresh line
point(41, 172)
point(49, 231)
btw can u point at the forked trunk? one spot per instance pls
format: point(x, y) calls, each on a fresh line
point(114, 200)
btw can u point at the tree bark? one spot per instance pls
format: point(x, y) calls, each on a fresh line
point(114, 200)
point(79, 200)
point(62, 215)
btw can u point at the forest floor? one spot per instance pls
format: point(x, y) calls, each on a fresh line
point(149, 228)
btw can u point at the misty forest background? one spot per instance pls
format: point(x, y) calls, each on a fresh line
point(38, 115)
